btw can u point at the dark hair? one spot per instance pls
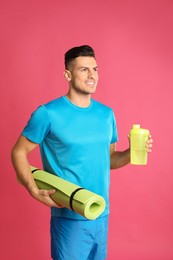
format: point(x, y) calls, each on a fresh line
point(75, 52)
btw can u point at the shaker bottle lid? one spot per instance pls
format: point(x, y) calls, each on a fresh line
point(136, 126)
point(137, 130)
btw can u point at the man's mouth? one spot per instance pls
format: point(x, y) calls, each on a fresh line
point(91, 83)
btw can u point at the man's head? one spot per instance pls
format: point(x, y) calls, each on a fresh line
point(81, 69)
point(79, 51)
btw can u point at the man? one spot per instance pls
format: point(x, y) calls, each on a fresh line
point(77, 137)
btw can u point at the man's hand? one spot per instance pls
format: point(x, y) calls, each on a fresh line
point(149, 144)
point(44, 197)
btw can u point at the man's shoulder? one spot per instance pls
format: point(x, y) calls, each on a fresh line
point(54, 103)
point(101, 105)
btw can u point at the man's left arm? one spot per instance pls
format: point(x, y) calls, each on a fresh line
point(119, 159)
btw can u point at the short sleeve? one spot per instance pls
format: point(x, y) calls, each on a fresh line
point(114, 130)
point(38, 125)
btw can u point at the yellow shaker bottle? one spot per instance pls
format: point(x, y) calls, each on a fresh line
point(138, 138)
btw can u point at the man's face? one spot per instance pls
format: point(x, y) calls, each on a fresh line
point(83, 75)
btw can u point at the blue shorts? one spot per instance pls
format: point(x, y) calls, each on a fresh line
point(79, 239)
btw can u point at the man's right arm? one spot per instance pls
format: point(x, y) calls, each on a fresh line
point(20, 162)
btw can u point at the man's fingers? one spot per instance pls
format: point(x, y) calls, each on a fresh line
point(51, 192)
point(47, 192)
point(48, 201)
point(149, 144)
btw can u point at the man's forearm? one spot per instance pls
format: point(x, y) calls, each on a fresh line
point(120, 159)
point(21, 166)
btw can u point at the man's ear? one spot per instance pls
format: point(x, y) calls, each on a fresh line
point(67, 75)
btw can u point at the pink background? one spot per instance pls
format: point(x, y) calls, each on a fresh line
point(133, 41)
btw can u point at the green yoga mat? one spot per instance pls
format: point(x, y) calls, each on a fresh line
point(69, 195)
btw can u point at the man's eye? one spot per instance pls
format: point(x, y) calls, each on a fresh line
point(83, 69)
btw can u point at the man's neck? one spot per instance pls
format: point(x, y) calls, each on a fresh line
point(80, 100)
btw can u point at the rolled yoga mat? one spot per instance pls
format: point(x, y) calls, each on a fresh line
point(82, 201)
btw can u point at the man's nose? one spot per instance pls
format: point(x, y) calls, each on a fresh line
point(91, 74)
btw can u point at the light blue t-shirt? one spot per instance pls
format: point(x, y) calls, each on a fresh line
point(75, 145)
